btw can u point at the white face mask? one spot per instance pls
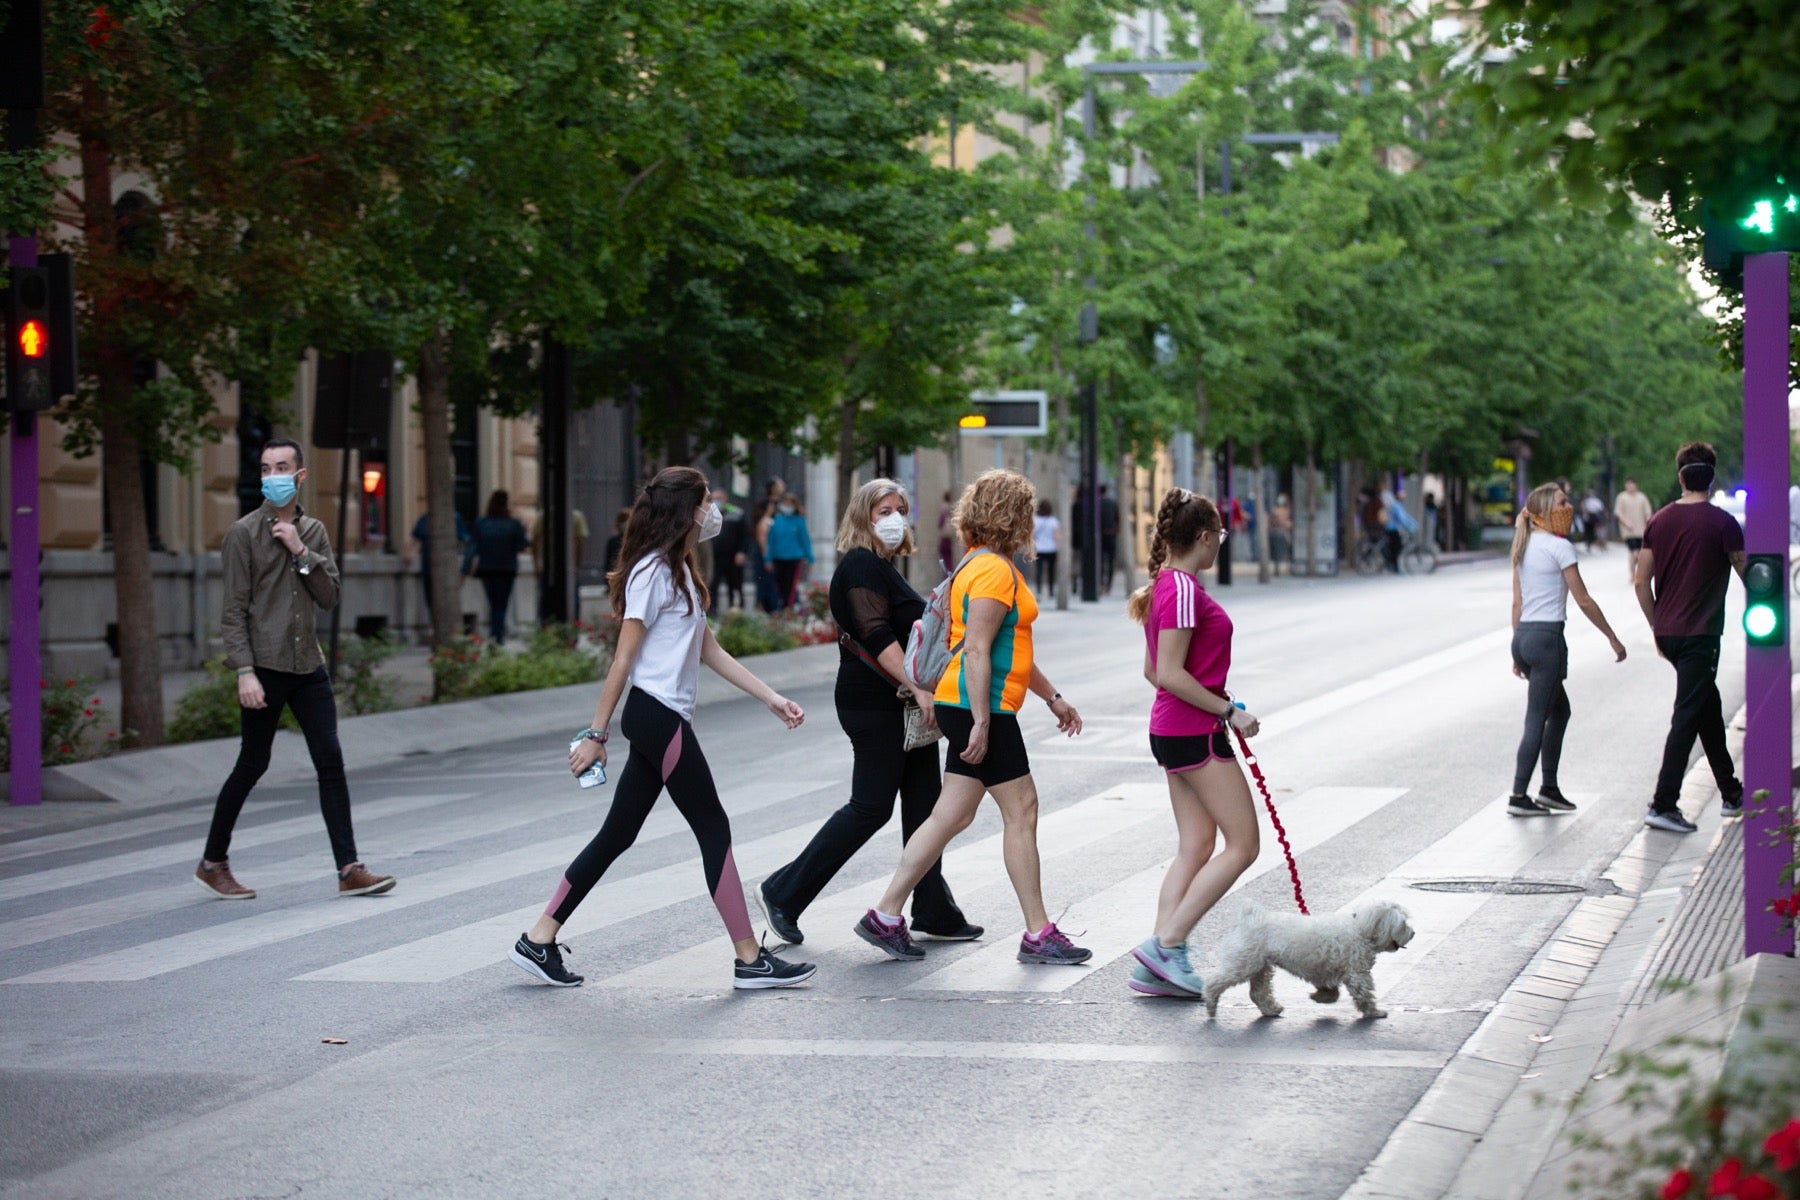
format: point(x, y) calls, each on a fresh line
point(891, 529)
point(786, 510)
point(711, 521)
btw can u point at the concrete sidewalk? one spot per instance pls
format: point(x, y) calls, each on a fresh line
point(1498, 1122)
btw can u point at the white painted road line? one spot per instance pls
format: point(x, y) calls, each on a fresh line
point(1118, 918)
point(1302, 1053)
point(94, 835)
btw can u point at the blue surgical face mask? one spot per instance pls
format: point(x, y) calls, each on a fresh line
point(279, 489)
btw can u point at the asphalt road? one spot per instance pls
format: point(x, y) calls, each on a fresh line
point(158, 1043)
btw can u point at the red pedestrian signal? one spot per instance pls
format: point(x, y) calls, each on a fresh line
point(34, 342)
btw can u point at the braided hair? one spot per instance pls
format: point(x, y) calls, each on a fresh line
point(1180, 521)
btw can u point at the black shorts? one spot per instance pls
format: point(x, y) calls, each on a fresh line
point(1634, 543)
point(1174, 754)
point(1005, 759)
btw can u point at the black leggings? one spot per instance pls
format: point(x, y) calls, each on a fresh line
point(316, 709)
point(1539, 650)
point(1046, 570)
point(664, 753)
point(881, 765)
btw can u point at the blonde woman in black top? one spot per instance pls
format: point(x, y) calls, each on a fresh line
point(875, 608)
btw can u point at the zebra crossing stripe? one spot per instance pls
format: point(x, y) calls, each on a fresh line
point(1111, 922)
point(484, 943)
point(86, 874)
point(379, 848)
point(94, 835)
point(828, 922)
point(164, 955)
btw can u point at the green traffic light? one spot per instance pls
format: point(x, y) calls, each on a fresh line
point(1759, 621)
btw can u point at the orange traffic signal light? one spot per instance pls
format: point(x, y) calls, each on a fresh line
point(34, 342)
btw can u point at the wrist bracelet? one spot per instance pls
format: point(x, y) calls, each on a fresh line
point(597, 736)
point(243, 671)
point(1055, 696)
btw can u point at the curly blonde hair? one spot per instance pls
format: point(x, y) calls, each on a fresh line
point(857, 530)
point(996, 513)
point(1182, 519)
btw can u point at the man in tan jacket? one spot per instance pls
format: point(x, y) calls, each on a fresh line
point(1632, 511)
point(279, 573)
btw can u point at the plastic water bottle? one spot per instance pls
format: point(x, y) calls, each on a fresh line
point(595, 775)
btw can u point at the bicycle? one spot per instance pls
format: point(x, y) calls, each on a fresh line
point(1417, 557)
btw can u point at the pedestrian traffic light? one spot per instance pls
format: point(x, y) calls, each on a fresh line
point(1006, 414)
point(28, 340)
point(1765, 603)
point(1751, 220)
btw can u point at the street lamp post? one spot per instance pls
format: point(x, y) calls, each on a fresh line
point(1090, 333)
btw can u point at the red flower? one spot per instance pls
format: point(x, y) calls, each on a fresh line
point(1787, 906)
point(87, 712)
point(112, 733)
point(1784, 1145)
point(1730, 1180)
point(100, 28)
point(67, 749)
point(1679, 1184)
point(95, 700)
point(43, 683)
point(68, 683)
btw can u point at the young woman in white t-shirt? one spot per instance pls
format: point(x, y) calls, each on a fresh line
point(661, 604)
point(1544, 576)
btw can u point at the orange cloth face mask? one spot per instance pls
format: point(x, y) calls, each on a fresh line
point(1558, 520)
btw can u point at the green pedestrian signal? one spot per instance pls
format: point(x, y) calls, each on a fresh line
point(1765, 603)
point(1757, 220)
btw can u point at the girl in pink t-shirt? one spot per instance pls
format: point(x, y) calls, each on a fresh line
point(1186, 656)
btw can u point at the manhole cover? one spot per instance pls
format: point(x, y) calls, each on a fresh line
point(1503, 887)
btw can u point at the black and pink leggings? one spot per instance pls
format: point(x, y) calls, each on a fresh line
point(664, 753)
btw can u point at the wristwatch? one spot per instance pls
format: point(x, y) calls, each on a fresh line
point(303, 563)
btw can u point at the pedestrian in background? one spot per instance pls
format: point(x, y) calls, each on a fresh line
point(1432, 523)
point(1396, 524)
point(1187, 655)
point(1544, 576)
point(1691, 547)
point(1281, 533)
point(494, 559)
point(660, 603)
point(875, 607)
point(729, 555)
point(946, 526)
point(421, 548)
point(1593, 515)
point(977, 706)
point(1109, 540)
point(790, 547)
point(279, 573)
point(1632, 511)
point(1046, 539)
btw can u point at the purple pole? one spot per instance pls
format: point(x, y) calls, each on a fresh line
point(23, 659)
point(1768, 737)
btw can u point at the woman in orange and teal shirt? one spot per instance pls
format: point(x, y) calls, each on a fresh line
point(977, 706)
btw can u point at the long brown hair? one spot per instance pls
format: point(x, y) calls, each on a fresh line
point(659, 524)
point(1181, 520)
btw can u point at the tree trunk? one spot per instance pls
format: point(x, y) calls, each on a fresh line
point(1263, 570)
point(846, 459)
point(1128, 511)
point(134, 590)
point(1348, 535)
point(440, 490)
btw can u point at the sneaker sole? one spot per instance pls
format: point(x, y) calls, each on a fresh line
point(761, 982)
point(882, 946)
point(1670, 829)
point(1163, 991)
point(1157, 971)
point(374, 889)
point(1042, 960)
point(948, 937)
point(1564, 807)
point(1525, 812)
point(762, 902)
point(216, 894)
point(536, 972)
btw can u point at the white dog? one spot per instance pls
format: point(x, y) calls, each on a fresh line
point(1328, 952)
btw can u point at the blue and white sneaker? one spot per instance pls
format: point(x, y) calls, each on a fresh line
point(1169, 964)
point(1144, 982)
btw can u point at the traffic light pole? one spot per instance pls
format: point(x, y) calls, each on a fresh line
point(1768, 675)
point(24, 658)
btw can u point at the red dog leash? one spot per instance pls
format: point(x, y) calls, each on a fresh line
point(1262, 785)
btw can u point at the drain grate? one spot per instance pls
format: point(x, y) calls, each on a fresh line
point(1501, 887)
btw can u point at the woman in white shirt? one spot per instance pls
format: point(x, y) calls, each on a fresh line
point(661, 604)
point(1046, 539)
point(1544, 576)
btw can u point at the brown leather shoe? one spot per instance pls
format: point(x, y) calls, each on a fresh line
point(356, 880)
point(219, 883)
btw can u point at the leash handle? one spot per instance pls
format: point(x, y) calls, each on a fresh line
point(1262, 785)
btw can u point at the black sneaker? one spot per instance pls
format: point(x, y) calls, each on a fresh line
point(892, 940)
point(1054, 949)
point(1731, 804)
point(1520, 805)
point(1671, 821)
point(950, 931)
point(543, 961)
point(1553, 799)
point(780, 924)
point(771, 972)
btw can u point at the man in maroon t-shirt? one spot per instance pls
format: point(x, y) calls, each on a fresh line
point(1690, 549)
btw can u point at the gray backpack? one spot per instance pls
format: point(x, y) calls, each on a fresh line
point(928, 648)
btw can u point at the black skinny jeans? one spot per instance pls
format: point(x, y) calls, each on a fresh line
point(499, 588)
point(880, 767)
point(316, 709)
point(1046, 570)
point(1538, 649)
point(1698, 713)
